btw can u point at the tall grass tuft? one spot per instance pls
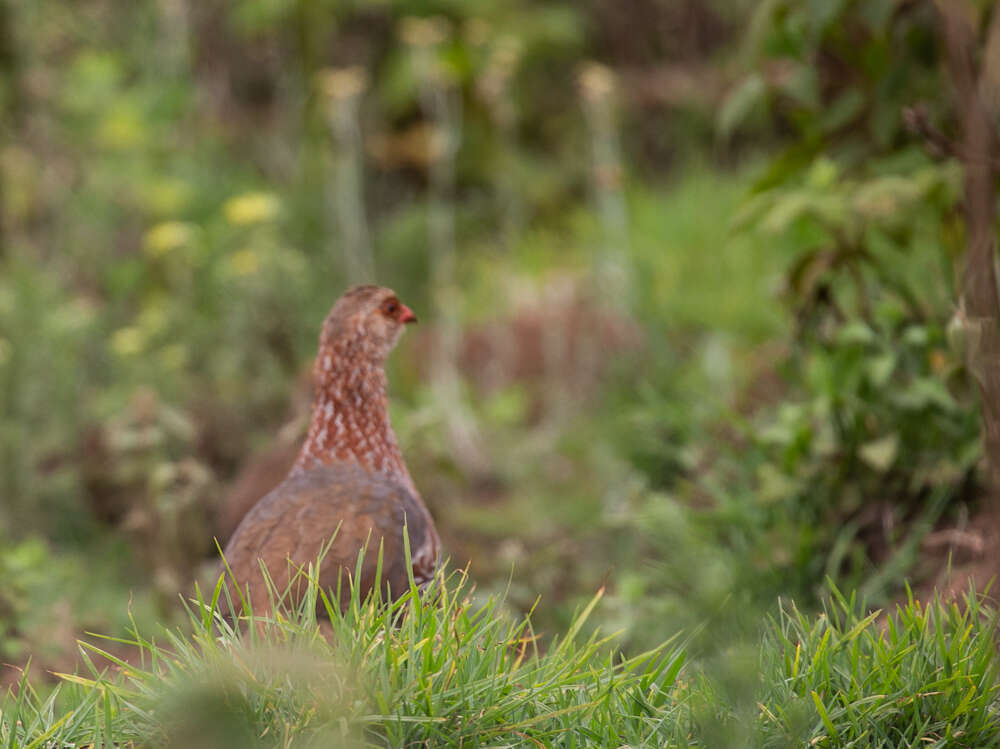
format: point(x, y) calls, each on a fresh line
point(434, 668)
point(924, 676)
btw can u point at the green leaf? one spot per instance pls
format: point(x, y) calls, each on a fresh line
point(824, 716)
point(916, 335)
point(798, 204)
point(880, 369)
point(855, 332)
point(823, 173)
point(876, 14)
point(888, 197)
point(739, 103)
point(843, 110)
point(787, 166)
point(880, 454)
point(802, 86)
point(822, 13)
point(925, 392)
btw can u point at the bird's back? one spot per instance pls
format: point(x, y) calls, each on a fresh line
point(355, 508)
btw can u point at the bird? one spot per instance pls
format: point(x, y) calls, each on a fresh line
point(349, 482)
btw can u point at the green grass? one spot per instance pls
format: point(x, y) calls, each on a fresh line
point(926, 676)
point(445, 668)
point(696, 272)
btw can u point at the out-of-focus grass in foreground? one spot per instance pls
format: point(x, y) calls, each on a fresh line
point(443, 667)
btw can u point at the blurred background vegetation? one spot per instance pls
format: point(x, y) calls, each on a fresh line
point(686, 282)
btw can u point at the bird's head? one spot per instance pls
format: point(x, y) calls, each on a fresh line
point(367, 321)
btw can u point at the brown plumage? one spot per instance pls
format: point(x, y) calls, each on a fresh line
point(349, 473)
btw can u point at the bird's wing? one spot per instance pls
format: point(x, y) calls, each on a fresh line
point(299, 518)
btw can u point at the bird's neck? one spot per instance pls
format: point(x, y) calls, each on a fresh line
point(350, 418)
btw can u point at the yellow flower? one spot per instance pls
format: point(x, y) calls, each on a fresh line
point(122, 128)
point(251, 208)
point(167, 236)
point(128, 341)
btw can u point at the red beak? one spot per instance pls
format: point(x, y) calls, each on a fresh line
point(406, 314)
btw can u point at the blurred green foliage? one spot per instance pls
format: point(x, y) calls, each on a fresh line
point(168, 246)
point(838, 74)
point(882, 420)
point(882, 412)
point(775, 403)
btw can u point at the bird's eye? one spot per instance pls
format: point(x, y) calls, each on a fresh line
point(390, 307)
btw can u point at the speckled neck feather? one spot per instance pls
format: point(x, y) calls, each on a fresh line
point(350, 416)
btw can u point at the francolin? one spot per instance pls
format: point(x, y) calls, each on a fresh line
point(350, 482)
